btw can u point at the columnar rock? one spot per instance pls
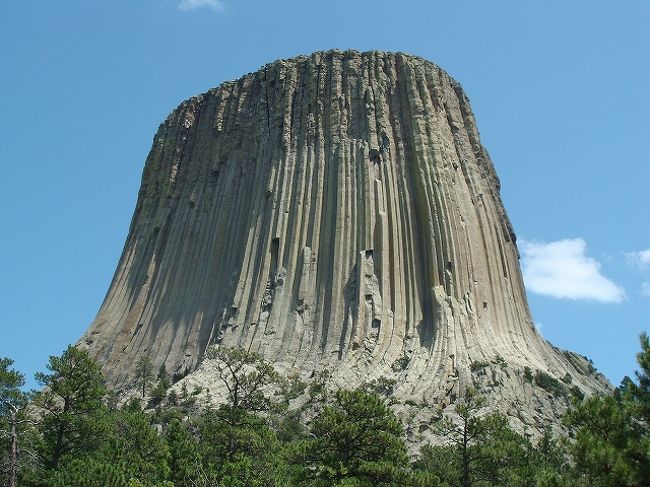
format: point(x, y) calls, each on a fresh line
point(330, 211)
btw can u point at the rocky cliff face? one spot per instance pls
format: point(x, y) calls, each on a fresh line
point(336, 210)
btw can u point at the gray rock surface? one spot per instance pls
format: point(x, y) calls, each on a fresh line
point(331, 211)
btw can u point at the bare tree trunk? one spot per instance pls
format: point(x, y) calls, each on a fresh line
point(58, 447)
point(13, 450)
point(465, 478)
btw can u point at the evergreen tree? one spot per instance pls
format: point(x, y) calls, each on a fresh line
point(638, 394)
point(246, 377)
point(600, 443)
point(232, 440)
point(184, 459)
point(72, 395)
point(611, 445)
point(135, 445)
point(13, 420)
point(90, 471)
point(159, 391)
point(357, 440)
point(144, 374)
point(552, 460)
point(255, 440)
point(129, 449)
point(483, 450)
point(87, 471)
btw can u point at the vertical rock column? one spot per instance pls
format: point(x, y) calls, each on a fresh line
point(336, 210)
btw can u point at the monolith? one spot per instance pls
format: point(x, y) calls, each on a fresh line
point(330, 211)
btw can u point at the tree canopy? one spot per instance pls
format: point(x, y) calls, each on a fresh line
point(74, 433)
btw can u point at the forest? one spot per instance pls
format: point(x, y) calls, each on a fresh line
point(75, 432)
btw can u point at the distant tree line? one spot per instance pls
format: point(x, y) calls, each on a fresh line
point(73, 433)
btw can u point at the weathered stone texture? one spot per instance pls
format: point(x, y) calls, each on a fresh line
point(274, 216)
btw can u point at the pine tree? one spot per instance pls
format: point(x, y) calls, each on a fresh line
point(159, 391)
point(184, 461)
point(611, 445)
point(245, 376)
point(144, 374)
point(72, 394)
point(128, 450)
point(13, 420)
point(135, 445)
point(355, 439)
point(482, 449)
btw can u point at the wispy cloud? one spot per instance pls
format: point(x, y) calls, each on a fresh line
point(641, 260)
point(561, 269)
point(215, 5)
point(645, 289)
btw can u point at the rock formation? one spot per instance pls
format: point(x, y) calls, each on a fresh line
point(330, 211)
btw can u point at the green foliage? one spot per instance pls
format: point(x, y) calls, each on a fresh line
point(15, 424)
point(477, 365)
point(601, 440)
point(134, 445)
point(88, 472)
point(144, 374)
point(499, 360)
point(231, 438)
point(357, 439)
point(353, 438)
point(288, 426)
point(184, 456)
point(577, 393)
point(245, 376)
point(71, 399)
point(125, 448)
point(11, 382)
point(611, 445)
point(438, 462)
point(159, 391)
point(482, 449)
point(290, 388)
point(228, 431)
point(552, 456)
point(401, 363)
point(528, 374)
point(381, 386)
point(549, 383)
point(638, 395)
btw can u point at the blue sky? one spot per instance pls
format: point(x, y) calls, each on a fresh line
point(559, 90)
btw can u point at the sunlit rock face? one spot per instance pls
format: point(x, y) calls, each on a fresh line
point(330, 211)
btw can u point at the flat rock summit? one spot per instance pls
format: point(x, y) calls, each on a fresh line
point(334, 211)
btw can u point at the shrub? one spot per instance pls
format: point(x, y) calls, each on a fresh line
point(549, 383)
point(401, 363)
point(478, 365)
point(528, 374)
point(499, 360)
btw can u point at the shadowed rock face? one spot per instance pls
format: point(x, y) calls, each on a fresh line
point(338, 211)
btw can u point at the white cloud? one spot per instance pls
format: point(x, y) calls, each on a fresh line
point(645, 289)
point(215, 5)
point(562, 270)
point(641, 258)
point(644, 257)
